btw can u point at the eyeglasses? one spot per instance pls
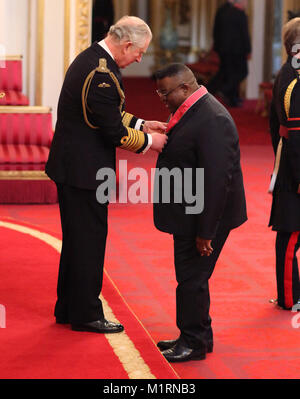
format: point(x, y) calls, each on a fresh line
point(168, 92)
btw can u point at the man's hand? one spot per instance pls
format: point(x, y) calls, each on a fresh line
point(204, 246)
point(154, 127)
point(158, 141)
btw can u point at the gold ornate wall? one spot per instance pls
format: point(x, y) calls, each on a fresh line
point(83, 24)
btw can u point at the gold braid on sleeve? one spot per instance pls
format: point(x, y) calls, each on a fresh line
point(126, 118)
point(287, 97)
point(86, 87)
point(133, 141)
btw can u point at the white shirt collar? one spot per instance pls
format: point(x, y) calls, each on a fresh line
point(105, 47)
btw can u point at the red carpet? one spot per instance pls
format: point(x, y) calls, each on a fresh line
point(253, 339)
point(33, 346)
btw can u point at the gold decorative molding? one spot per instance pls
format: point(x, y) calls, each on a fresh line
point(11, 57)
point(20, 109)
point(67, 35)
point(23, 175)
point(39, 52)
point(83, 24)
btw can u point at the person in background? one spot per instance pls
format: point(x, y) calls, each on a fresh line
point(103, 18)
point(232, 43)
point(285, 182)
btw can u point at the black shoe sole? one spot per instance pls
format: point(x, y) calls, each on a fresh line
point(163, 347)
point(95, 330)
point(186, 359)
point(61, 321)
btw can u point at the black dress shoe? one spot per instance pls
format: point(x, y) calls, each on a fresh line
point(61, 321)
point(99, 326)
point(168, 344)
point(180, 353)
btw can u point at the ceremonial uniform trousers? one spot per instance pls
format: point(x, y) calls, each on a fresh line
point(285, 213)
point(287, 274)
point(84, 232)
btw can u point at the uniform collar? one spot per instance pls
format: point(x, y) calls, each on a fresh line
point(105, 47)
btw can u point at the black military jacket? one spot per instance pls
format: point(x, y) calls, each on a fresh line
point(91, 121)
point(285, 111)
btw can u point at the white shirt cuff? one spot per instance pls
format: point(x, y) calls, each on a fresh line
point(149, 144)
point(138, 124)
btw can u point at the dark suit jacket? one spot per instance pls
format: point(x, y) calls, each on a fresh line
point(79, 151)
point(285, 111)
point(205, 137)
point(231, 34)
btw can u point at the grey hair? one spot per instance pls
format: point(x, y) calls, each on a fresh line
point(132, 29)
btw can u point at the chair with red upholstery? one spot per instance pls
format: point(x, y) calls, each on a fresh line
point(206, 67)
point(25, 138)
point(11, 81)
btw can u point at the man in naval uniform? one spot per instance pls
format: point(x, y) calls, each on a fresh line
point(285, 182)
point(91, 123)
point(201, 135)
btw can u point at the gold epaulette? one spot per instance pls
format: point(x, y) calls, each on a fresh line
point(102, 68)
point(134, 141)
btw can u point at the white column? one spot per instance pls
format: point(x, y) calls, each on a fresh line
point(53, 54)
point(13, 31)
point(3, 23)
point(192, 57)
point(32, 29)
point(255, 76)
point(142, 9)
point(203, 24)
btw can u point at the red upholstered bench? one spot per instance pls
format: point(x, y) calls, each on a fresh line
point(11, 82)
point(206, 67)
point(25, 138)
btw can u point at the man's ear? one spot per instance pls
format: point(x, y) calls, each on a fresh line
point(185, 87)
point(127, 45)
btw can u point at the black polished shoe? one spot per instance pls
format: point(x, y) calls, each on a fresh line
point(61, 321)
point(99, 326)
point(168, 344)
point(180, 353)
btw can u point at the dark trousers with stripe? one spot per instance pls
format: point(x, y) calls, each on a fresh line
point(192, 294)
point(287, 274)
point(84, 232)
